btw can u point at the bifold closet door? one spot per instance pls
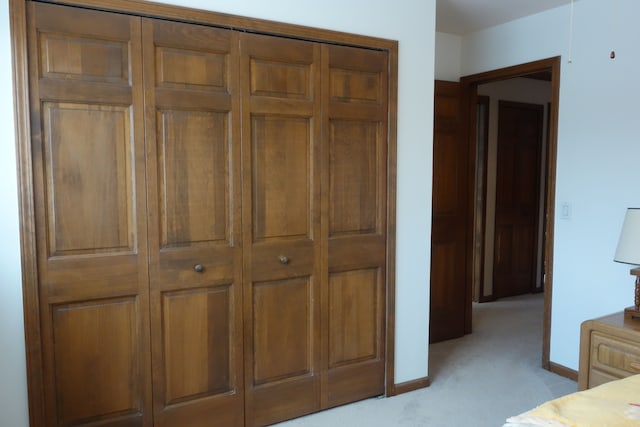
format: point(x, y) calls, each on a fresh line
point(91, 223)
point(355, 110)
point(211, 219)
point(314, 214)
point(280, 81)
point(195, 244)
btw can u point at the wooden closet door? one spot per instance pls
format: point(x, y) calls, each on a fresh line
point(193, 146)
point(281, 221)
point(90, 207)
point(355, 92)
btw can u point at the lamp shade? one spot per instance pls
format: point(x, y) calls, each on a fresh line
point(628, 250)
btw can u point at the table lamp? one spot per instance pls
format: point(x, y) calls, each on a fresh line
point(628, 252)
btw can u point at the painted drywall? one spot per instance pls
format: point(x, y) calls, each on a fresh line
point(598, 147)
point(413, 25)
point(13, 386)
point(448, 58)
point(517, 90)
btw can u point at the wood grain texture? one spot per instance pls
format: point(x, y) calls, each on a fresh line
point(190, 86)
point(355, 105)
point(88, 168)
point(609, 350)
point(449, 238)
point(97, 348)
point(193, 181)
point(281, 223)
point(392, 125)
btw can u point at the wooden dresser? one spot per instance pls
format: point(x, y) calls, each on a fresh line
point(609, 350)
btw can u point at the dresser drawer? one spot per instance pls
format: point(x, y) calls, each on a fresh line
point(613, 357)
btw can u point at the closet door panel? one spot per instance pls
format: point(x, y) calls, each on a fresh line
point(280, 178)
point(193, 183)
point(76, 170)
point(197, 342)
point(281, 223)
point(355, 125)
point(88, 358)
point(193, 178)
point(90, 211)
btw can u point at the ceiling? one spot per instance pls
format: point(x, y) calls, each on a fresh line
point(467, 16)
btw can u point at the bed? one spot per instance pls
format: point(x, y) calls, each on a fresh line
point(614, 404)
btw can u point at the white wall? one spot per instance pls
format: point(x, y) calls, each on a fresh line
point(13, 386)
point(413, 25)
point(598, 148)
point(448, 58)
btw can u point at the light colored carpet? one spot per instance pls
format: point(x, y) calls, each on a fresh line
point(478, 380)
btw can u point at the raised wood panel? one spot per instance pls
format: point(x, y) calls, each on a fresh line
point(353, 177)
point(191, 69)
point(445, 273)
point(446, 256)
point(282, 69)
point(199, 332)
point(524, 238)
point(89, 187)
point(74, 45)
point(97, 364)
point(354, 316)
point(91, 59)
point(283, 321)
point(277, 79)
point(446, 176)
point(281, 177)
point(447, 111)
point(355, 86)
point(357, 76)
point(193, 170)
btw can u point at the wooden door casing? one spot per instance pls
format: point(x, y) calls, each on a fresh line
point(280, 82)
point(90, 213)
point(517, 197)
point(195, 236)
point(449, 225)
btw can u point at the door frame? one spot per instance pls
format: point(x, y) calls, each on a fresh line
point(469, 91)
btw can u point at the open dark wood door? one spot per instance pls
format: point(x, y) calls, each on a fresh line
point(449, 223)
point(517, 198)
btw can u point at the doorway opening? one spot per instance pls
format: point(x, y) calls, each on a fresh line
point(481, 240)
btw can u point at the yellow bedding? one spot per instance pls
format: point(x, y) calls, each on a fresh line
point(614, 404)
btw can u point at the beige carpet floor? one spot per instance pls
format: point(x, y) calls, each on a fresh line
point(478, 380)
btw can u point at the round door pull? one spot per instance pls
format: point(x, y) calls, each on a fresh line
point(283, 259)
point(199, 268)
